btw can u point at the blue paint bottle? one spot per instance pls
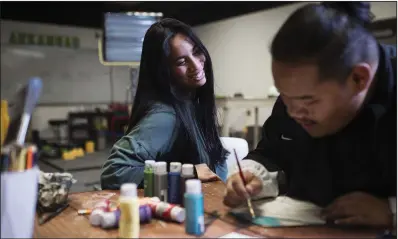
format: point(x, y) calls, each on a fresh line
point(193, 201)
point(174, 189)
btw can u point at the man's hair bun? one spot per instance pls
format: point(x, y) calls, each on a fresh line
point(359, 11)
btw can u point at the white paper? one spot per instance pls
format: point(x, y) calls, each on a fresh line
point(236, 235)
point(289, 211)
point(18, 203)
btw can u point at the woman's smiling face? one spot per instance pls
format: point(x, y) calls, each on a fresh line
point(187, 62)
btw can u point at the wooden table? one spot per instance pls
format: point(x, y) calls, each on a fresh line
point(69, 224)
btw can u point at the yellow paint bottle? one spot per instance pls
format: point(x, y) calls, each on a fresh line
point(129, 222)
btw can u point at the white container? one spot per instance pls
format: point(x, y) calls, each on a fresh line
point(18, 203)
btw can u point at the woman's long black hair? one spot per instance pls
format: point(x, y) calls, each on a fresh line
point(155, 85)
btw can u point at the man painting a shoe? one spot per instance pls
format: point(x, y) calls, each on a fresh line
point(332, 136)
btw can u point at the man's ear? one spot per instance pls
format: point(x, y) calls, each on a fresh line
point(361, 77)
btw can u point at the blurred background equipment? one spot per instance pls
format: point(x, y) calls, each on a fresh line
point(385, 30)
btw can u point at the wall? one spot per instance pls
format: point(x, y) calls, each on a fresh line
point(66, 59)
point(239, 48)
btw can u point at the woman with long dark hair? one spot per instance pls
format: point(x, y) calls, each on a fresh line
point(173, 117)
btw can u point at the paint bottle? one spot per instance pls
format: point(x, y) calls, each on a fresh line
point(129, 223)
point(187, 172)
point(166, 211)
point(194, 222)
point(174, 189)
point(148, 178)
point(145, 214)
point(96, 213)
point(160, 181)
point(111, 219)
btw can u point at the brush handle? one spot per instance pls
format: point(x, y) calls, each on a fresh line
point(249, 202)
point(32, 94)
point(240, 168)
point(243, 177)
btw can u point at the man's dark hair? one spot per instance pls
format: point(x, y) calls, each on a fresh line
point(156, 85)
point(333, 35)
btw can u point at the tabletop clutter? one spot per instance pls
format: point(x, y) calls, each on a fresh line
point(53, 194)
point(54, 189)
point(165, 196)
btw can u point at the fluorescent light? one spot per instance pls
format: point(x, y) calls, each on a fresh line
point(124, 34)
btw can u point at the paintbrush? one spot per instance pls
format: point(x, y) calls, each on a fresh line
point(20, 111)
point(249, 201)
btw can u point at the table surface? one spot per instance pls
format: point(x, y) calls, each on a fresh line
point(69, 224)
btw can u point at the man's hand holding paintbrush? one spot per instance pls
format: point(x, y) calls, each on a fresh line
point(246, 192)
point(251, 181)
point(237, 192)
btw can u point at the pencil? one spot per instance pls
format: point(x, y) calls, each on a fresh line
point(13, 164)
point(249, 201)
point(29, 159)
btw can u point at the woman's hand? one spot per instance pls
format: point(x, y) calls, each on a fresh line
point(205, 174)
